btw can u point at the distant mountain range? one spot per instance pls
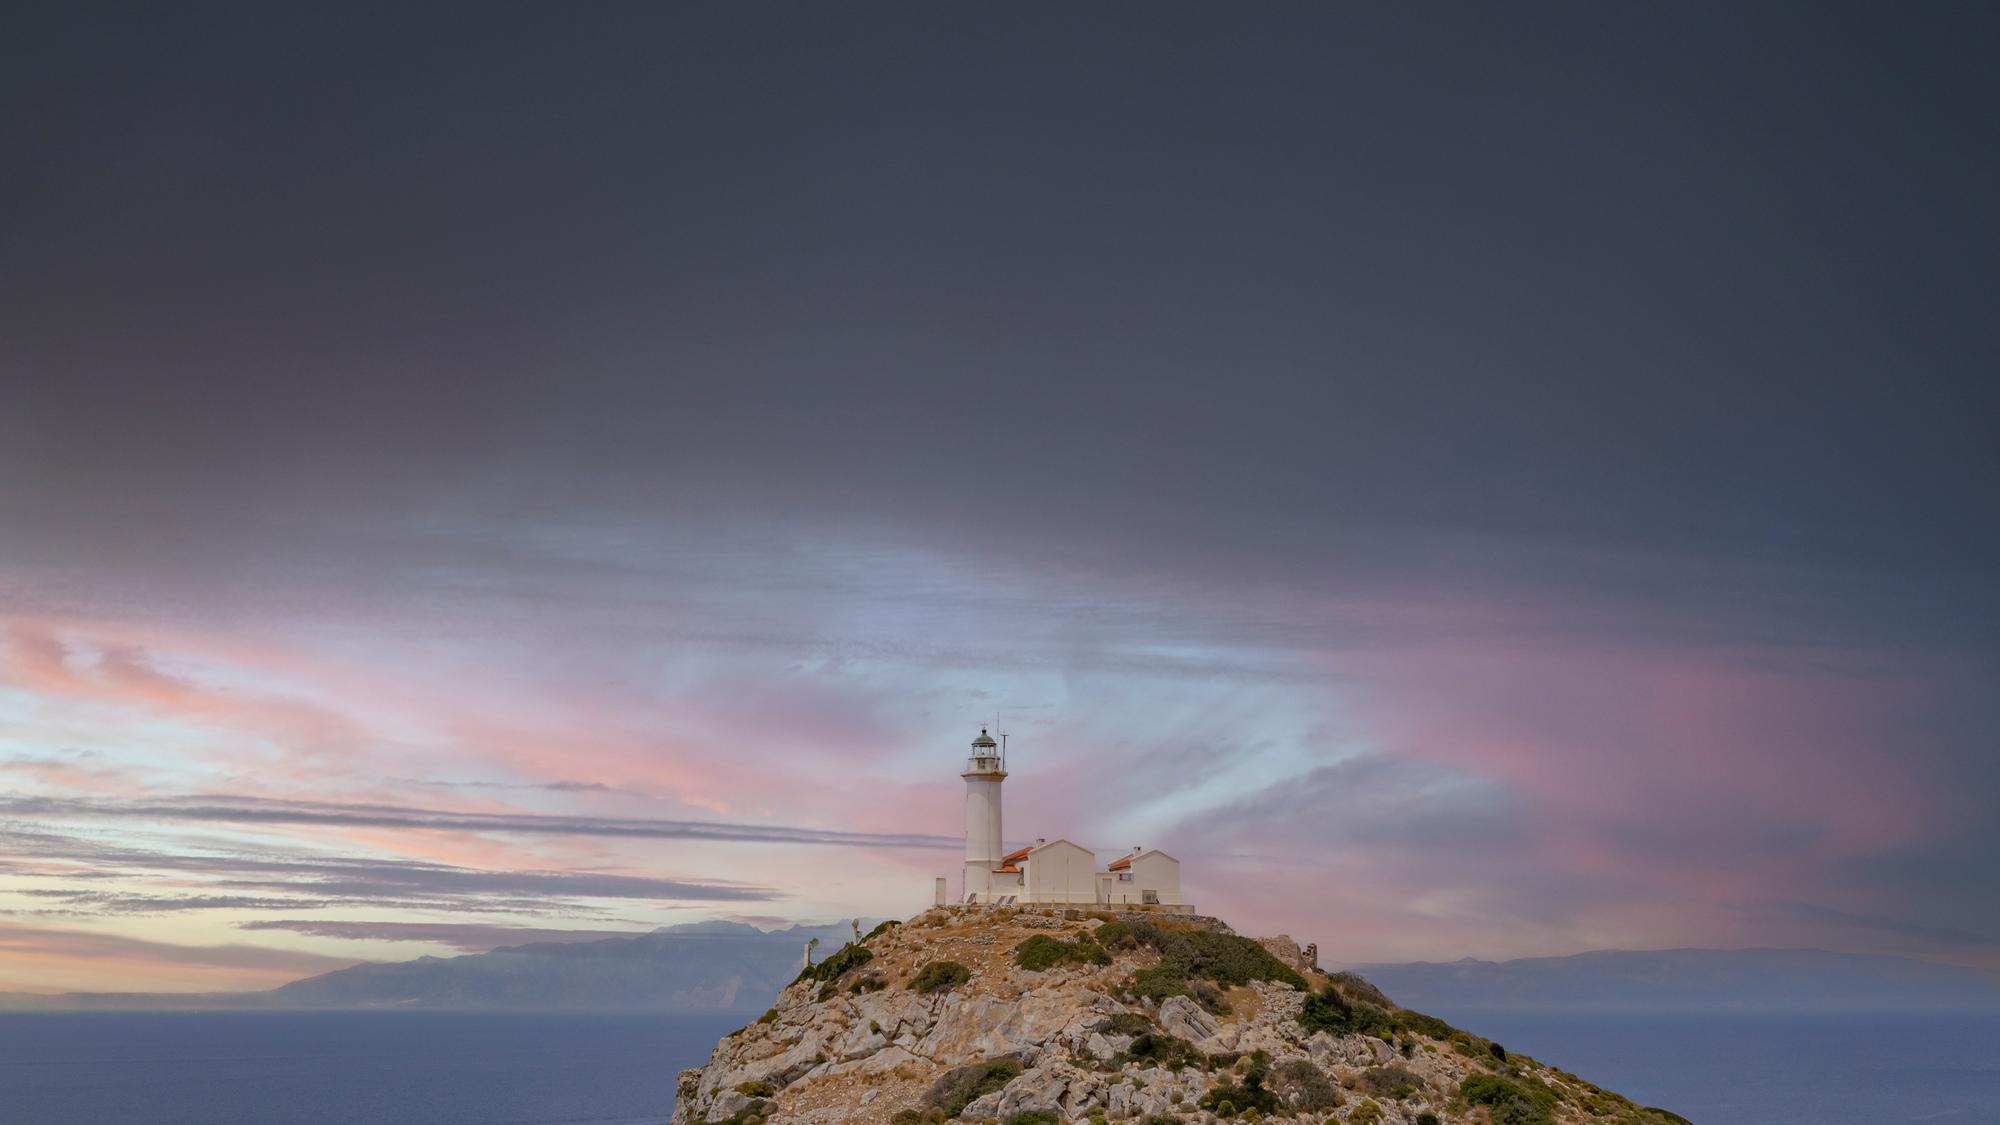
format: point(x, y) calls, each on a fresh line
point(701, 966)
point(729, 965)
point(1685, 979)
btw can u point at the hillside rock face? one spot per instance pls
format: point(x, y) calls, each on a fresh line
point(1033, 1018)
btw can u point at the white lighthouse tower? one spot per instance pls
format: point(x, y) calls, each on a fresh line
point(984, 771)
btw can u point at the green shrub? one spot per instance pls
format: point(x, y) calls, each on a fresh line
point(1427, 1118)
point(881, 929)
point(1388, 1082)
point(1359, 990)
point(1226, 959)
point(1159, 982)
point(1169, 979)
point(1327, 1010)
point(960, 1086)
point(1036, 1117)
point(1157, 1048)
point(1497, 1051)
point(1228, 1100)
point(1250, 1096)
point(1124, 1023)
point(1367, 1113)
point(1371, 1020)
point(1044, 952)
point(940, 976)
point(1330, 1011)
point(1209, 996)
point(755, 1089)
point(1301, 1086)
point(869, 982)
point(1469, 1045)
point(1422, 1024)
point(1116, 935)
point(769, 1015)
point(850, 956)
point(1510, 1103)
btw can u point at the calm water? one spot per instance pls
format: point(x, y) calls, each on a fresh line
point(1841, 1069)
point(443, 1069)
point(269, 1068)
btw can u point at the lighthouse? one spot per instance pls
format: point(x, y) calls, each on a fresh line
point(984, 771)
point(1047, 872)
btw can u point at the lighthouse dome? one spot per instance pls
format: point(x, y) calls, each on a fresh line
point(984, 741)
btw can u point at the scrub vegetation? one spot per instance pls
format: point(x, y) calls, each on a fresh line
point(1043, 952)
point(851, 956)
point(961, 1086)
point(1196, 963)
point(940, 976)
point(1508, 1102)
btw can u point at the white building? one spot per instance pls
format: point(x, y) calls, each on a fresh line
point(1052, 871)
point(1146, 878)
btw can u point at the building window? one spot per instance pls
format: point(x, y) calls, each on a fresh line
point(1150, 897)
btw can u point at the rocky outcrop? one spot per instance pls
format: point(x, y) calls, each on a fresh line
point(1149, 1018)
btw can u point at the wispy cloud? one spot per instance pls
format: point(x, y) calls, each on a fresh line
point(253, 810)
point(471, 937)
point(1815, 916)
point(303, 880)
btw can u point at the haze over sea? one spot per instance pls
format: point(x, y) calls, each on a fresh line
point(424, 1068)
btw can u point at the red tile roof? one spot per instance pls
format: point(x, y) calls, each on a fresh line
point(1009, 869)
point(1121, 864)
point(1015, 857)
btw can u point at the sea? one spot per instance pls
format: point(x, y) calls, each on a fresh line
point(425, 1068)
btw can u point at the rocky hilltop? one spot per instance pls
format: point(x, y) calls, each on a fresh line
point(1026, 1017)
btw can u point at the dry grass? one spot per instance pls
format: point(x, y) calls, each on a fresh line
point(1244, 1003)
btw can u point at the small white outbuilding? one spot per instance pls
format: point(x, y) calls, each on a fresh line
point(1143, 877)
point(1059, 871)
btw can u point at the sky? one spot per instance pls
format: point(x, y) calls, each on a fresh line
point(1467, 481)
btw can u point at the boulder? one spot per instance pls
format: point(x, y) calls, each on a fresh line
point(1185, 1019)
